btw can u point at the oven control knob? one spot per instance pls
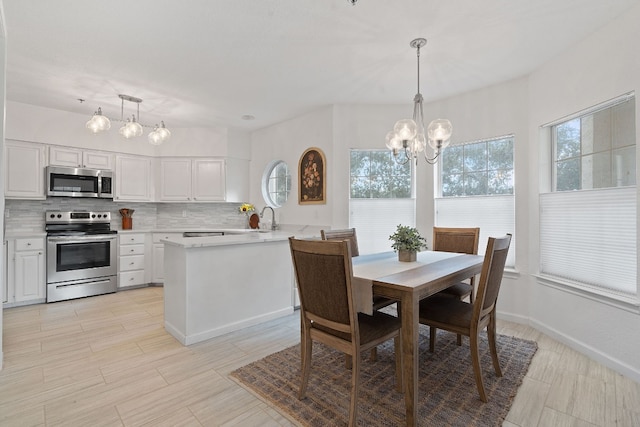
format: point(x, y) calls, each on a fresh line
point(94, 215)
point(59, 215)
point(52, 216)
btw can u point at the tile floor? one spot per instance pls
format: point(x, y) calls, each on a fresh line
point(107, 361)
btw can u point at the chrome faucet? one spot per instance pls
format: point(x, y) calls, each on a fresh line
point(273, 217)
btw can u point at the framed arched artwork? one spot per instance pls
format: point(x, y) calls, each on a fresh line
point(312, 177)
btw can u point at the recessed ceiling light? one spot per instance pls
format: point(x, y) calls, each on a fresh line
point(248, 117)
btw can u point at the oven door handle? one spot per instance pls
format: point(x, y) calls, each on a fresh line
point(80, 239)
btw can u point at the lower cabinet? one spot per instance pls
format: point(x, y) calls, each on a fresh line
point(157, 275)
point(26, 273)
point(131, 262)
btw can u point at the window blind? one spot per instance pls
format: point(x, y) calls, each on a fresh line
point(493, 214)
point(376, 219)
point(590, 237)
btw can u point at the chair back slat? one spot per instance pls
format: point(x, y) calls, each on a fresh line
point(347, 234)
point(461, 240)
point(495, 259)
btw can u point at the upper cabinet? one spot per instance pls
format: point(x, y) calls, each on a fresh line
point(209, 180)
point(191, 180)
point(24, 170)
point(174, 180)
point(77, 158)
point(133, 179)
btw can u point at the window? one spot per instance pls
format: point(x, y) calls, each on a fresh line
point(276, 183)
point(476, 189)
point(588, 220)
point(381, 197)
point(478, 168)
point(596, 150)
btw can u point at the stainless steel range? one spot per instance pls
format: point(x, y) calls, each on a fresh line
point(81, 255)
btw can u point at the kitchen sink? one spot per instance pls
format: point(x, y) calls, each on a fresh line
point(202, 233)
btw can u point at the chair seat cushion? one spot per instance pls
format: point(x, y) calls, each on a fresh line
point(460, 290)
point(371, 328)
point(446, 310)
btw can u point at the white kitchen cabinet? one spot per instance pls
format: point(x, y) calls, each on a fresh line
point(24, 170)
point(131, 260)
point(133, 179)
point(209, 180)
point(158, 256)
point(191, 180)
point(26, 276)
point(77, 158)
point(175, 180)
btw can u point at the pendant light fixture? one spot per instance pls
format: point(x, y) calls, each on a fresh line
point(408, 137)
point(132, 127)
point(98, 123)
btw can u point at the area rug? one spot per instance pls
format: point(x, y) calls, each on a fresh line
point(447, 393)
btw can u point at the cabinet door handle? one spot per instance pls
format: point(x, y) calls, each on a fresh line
point(28, 244)
point(132, 250)
point(131, 263)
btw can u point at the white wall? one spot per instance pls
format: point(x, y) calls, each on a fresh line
point(599, 68)
point(287, 141)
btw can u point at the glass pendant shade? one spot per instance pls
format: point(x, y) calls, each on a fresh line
point(405, 129)
point(131, 129)
point(164, 132)
point(440, 130)
point(393, 142)
point(98, 123)
point(155, 138)
point(159, 135)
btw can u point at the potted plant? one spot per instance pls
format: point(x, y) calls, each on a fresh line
point(407, 241)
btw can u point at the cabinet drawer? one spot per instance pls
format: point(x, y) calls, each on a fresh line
point(159, 236)
point(133, 262)
point(29, 244)
point(131, 239)
point(131, 278)
point(131, 250)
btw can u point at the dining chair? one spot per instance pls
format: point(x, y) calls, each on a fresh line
point(379, 302)
point(470, 318)
point(324, 278)
point(461, 240)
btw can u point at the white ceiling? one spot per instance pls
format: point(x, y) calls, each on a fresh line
point(209, 62)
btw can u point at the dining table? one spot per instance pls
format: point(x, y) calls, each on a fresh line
point(408, 282)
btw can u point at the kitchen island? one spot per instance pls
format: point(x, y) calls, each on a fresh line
point(218, 284)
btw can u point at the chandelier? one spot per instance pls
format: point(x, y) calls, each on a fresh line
point(132, 127)
point(408, 138)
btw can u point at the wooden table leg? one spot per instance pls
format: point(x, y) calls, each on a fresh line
point(410, 357)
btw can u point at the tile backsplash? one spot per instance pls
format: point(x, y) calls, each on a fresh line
point(28, 215)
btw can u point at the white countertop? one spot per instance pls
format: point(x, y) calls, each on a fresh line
point(241, 238)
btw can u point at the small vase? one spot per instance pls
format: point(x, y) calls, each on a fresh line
point(407, 256)
point(127, 223)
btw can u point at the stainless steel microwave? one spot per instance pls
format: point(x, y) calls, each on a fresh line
point(78, 182)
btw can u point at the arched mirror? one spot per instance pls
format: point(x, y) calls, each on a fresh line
point(276, 183)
